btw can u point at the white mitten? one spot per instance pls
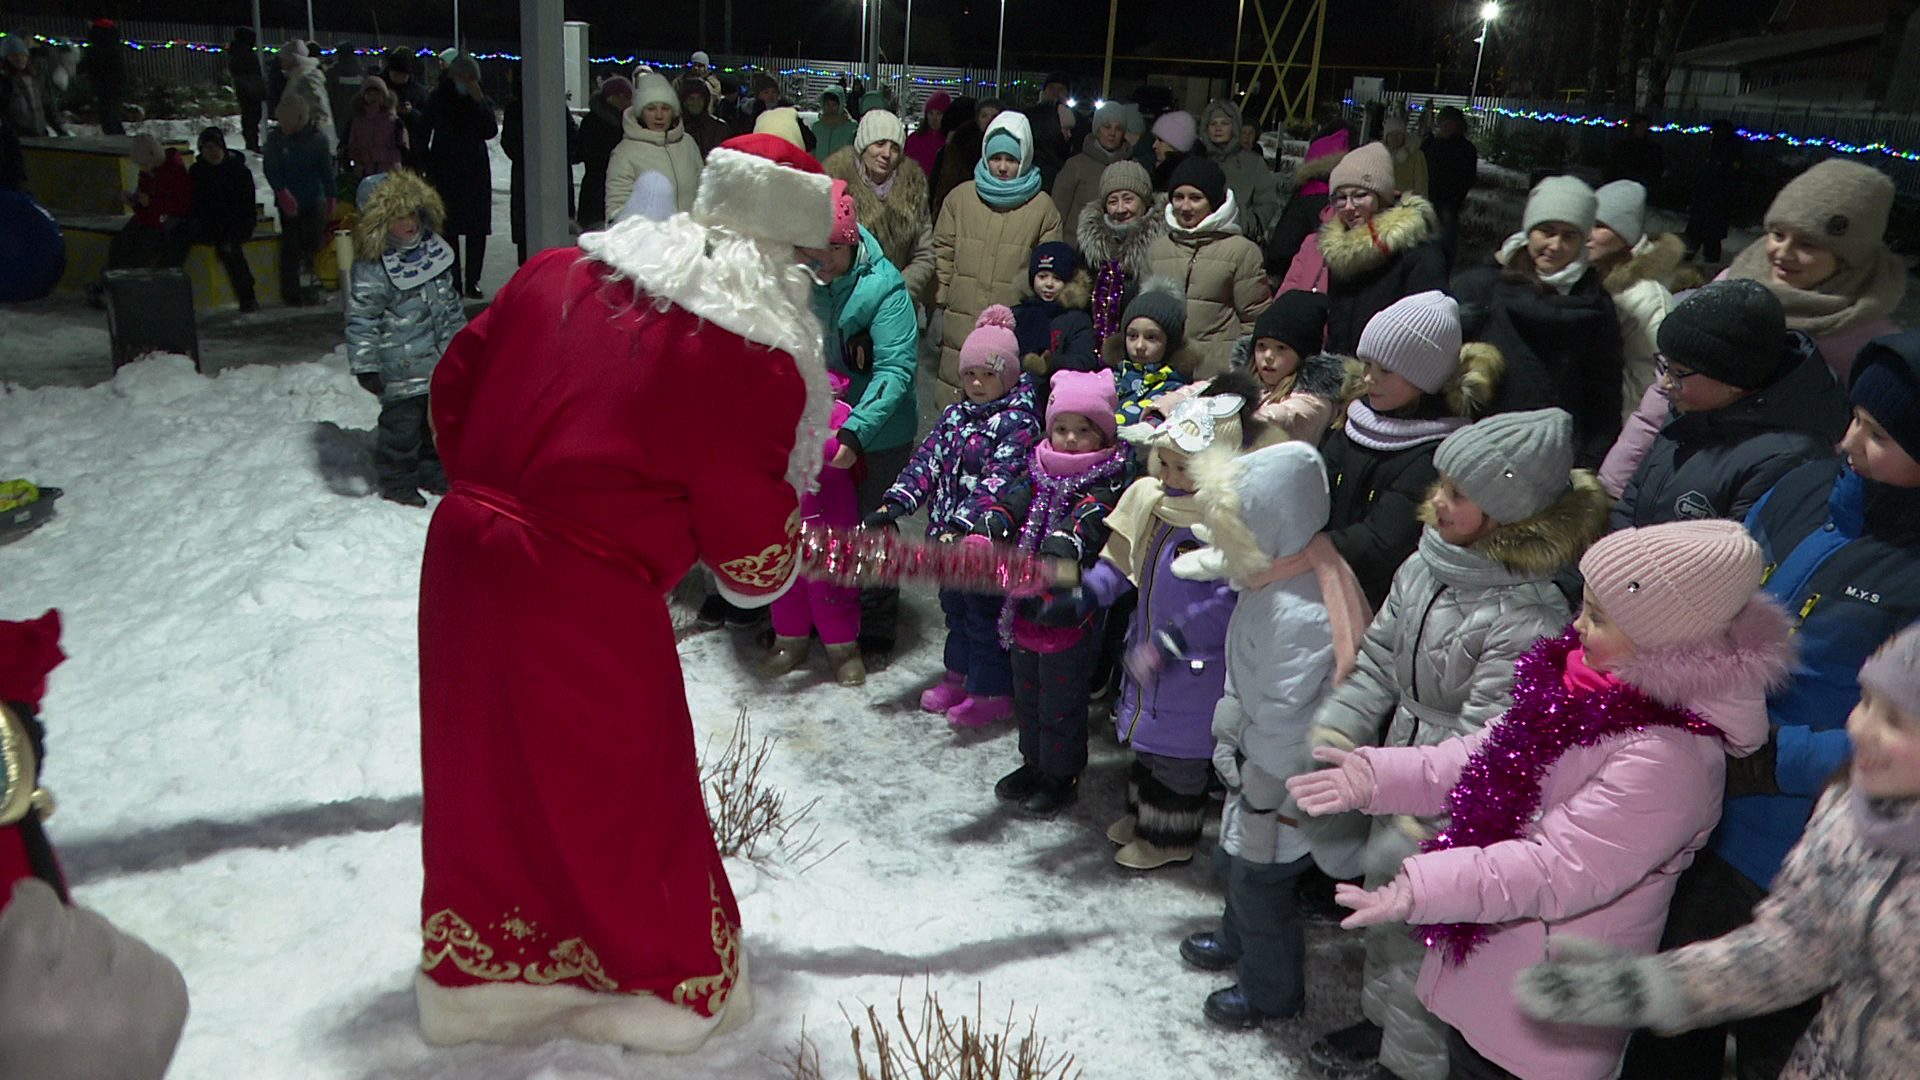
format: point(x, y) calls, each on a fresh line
point(1591, 983)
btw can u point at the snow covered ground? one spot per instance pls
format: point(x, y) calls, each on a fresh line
point(234, 745)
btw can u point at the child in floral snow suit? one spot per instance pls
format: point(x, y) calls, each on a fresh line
point(977, 449)
point(1574, 813)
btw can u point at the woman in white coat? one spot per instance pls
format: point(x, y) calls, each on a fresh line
point(1635, 267)
point(655, 141)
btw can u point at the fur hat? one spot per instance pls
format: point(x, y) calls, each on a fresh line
point(846, 226)
point(147, 152)
point(1560, 198)
point(1205, 176)
point(1112, 112)
point(878, 125)
point(384, 197)
point(1893, 672)
point(768, 188)
point(783, 123)
point(1054, 256)
point(1165, 302)
point(1674, 584)
point(1296, 319)
point(1842, 205)
point(1086, 393)
point(1887, 386)
point(1176, 129)
point(992, 344)
point(1416, 337)
point(1732, 330)
point(1622, 207)
point(1512, 465)
point(1126, 175)
point(1370, 167)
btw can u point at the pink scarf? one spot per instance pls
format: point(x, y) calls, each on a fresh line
point(1340, 590)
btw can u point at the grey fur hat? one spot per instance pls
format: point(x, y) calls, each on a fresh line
point(1512, 465)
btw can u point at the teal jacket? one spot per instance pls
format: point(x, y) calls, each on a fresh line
point(871, 299)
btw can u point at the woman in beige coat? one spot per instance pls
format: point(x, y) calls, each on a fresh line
point(655, 141)
point(987, 227)
point(1222, 271)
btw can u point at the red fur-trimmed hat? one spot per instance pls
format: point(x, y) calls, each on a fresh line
point(766, 187)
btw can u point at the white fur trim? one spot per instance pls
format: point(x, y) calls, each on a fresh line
point(750, 287)
point(518, 1013)
point(749, 194)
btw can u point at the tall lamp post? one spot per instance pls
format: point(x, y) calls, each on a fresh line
point(1489, 11)
point(1000, 51)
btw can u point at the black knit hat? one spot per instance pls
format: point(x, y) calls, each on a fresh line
point(1297, 319)
point(1886, 383)
point(1734, 331)
point(1204, 174)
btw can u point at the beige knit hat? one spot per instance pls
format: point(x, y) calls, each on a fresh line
point(1842, 205)
point(1369, 167)
point(1674, 584)
point(1126, 175)
point(878, 125)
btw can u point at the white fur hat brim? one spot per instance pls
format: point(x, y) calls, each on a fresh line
point(753, 195)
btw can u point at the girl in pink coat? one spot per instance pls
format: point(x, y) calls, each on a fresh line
point(1575, 812)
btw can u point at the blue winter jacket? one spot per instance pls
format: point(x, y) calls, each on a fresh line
point(871, 299)
point(302, 163)
point(1844, 560)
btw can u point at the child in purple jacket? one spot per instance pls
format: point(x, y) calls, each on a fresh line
point(977, 449)
point(1176, 641)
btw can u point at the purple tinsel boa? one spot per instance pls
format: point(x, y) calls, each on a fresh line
point(1053, 499)
point(1108, 288)
point(1500, 788)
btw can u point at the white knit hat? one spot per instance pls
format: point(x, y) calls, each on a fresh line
point(1622, 207)
point(1416, 337)
point(653, 88)
point(1560, 198)
point(878, 125)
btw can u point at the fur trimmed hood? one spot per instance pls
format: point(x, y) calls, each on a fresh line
point(896, 220)
point(1349, 252)
point(1725, 681)
point(1654, 258)
point(1258, 508)
point(403, 192)
point(1319, 168)
point(1099, 244)
point(1321, 374)
point(1552, 539)
point(1469, 392)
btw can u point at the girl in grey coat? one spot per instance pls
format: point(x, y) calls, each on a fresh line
point(1508, 513)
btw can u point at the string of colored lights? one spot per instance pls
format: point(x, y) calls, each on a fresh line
point(623, 61)
point(1838, 146)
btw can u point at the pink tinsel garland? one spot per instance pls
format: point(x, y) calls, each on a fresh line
point(884, 557)
point(1499, 790)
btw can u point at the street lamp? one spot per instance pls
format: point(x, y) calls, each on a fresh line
point(1489, 11)
point(1000, 51)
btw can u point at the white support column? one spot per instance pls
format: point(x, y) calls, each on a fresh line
point(543, 103)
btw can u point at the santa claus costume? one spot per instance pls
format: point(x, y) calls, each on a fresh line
point(655, 396)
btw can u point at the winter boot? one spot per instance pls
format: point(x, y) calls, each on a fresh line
point(1121, 832)
point(1055, 794)
point(1348, 1052)
point(1230, 1008)
point(1018, 784)
point(951, 690)
point(979, 711)
point(848, 668)
point(1143, 854)
point(1204, 951)
point(787, 654)
point(405, 496)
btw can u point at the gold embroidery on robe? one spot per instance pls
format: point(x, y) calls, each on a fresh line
point(572, 959)
point(456, 940)
point(726, 945)
point(772, 566)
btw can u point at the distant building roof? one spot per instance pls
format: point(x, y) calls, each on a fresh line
point(1752, 50)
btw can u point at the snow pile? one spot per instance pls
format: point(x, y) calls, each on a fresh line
point(234, 743)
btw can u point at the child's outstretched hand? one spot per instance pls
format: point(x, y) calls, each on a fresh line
point(1392, 902)
point(1349, 785)
point(1592, 983)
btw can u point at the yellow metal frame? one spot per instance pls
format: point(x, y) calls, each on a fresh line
point(1298, 100)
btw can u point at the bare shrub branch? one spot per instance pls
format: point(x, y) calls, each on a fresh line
point(934, 1046)
point(750, 816)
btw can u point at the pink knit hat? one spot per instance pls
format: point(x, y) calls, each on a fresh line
point(1088, 393)
point(1674, 584)
point(1416, 337)
point(992, 344)
point(1176, 129)
point(846, 228)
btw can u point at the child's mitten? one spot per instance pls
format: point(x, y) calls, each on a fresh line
point(883, 518)
point(1592, 983)
point(1349, 785)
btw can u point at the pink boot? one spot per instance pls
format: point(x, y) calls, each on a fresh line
point(979, 711)
point(951, 690)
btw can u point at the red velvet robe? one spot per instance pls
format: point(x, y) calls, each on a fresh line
point(597, 447)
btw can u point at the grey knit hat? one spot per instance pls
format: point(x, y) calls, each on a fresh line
point(1842, 205)
point(1163, 301)
point(1416, 337)
point(1560, 198)
point(1893, 673)
point(1512, 465)
point(1622, 207)
point(1126, 175)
